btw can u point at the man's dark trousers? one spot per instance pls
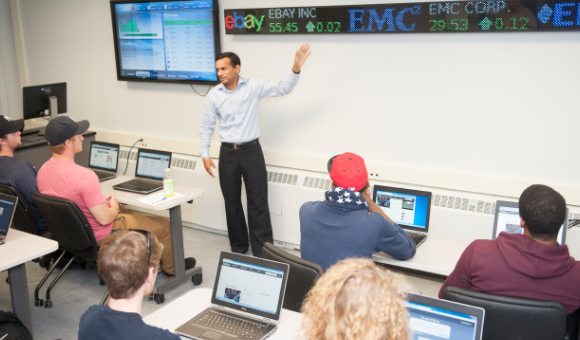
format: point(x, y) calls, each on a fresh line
point(247, 163)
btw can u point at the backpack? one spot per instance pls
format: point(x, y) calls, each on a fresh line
point(11, 328)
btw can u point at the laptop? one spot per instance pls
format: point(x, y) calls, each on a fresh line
point(431, 318)
point(410, 209)
point(103, 160)
point(507, 219)
point(7, 210)
point(246, 300)
point(151, 165)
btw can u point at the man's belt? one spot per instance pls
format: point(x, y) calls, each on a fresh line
point(236, 146)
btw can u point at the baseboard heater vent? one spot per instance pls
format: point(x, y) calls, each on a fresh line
point(463, 203)
point(317, 183)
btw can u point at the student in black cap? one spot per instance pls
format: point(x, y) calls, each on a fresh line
point(14, 171)
point(61, 177)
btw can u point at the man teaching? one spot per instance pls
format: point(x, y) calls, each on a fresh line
point(235, 102)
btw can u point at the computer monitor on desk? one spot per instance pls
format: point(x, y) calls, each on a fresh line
point(507, 219)
point(43, 100)
point(410, 209)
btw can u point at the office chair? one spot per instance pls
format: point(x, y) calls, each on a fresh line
point(72, 231)
point(24, 219)
point(302, 276)
point(513, 318)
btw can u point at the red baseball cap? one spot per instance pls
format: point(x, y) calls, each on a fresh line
point(349, 171)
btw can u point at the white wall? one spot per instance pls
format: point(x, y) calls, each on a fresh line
point(10, 90)
point(472, 112)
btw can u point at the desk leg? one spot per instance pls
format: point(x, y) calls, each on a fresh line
point(19, 295)
point(178, 254)
point(177, 240)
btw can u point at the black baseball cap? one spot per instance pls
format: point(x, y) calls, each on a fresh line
point(8, 126)
point(62, 128)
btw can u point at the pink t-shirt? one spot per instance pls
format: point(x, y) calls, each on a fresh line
point(65, 179)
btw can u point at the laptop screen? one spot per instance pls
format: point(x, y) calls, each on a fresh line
point(507, 219)
point(407, 208)
point(7, 205)
point(152, 163)
point(104, 156)
point(250, 284)
point(431, 318)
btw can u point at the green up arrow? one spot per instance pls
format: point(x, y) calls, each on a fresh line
point(485, 24)
point(310, 26)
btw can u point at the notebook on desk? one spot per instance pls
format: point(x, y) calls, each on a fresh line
point(431, 318)
point(410, 209)
point(7, 210)
point(247, 299)
point(104, 159)
point(151, 165)
point(507, 219)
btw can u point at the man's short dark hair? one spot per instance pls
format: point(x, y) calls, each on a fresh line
point(543, 210)
point(234, 59)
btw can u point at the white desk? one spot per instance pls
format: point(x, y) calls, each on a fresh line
point(186, 307)
point(174, 207)
point(437, 255)
point(21, 247)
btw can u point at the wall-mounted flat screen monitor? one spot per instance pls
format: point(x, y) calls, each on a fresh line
point(166, 41)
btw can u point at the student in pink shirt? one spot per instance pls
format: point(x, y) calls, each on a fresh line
point(60, 176)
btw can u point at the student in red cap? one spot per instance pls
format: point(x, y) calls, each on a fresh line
point(348, 223)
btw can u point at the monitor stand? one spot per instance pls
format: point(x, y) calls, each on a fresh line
point(53, 106)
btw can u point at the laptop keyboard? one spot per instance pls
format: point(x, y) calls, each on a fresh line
point(104, 175)
point(139, 184)
point(243, 329)
point(418, 238)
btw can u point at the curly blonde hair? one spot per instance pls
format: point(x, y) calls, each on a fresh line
point(355, 299)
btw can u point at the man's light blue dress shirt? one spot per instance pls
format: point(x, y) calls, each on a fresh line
point(238, 110)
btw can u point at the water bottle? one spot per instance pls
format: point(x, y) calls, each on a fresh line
point(168, 187)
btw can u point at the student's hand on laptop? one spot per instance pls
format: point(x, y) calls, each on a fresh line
point(208, 164)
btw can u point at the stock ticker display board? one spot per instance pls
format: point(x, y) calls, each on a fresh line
point(423, 17)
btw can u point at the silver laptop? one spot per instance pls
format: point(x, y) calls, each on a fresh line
point(247, 299)
point(431, 318)
point(7, 210)
point(104, 159)
point(151, 165)
point(507, 219)
point(410, 209)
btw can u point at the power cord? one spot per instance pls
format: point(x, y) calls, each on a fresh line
point(202, 95)
point(129, 154)
point(573, 223)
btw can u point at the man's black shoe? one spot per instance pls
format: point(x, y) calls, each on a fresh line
point(189, 263)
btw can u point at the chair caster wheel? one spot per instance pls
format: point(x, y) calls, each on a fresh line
point(196, 279)
point(48, 304)
point(44, 263)
point(8, 279)
point(39, 303)
point(159, 298)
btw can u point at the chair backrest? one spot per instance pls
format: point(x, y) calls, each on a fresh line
point(514, 318)
point(24, 219)
point(68, 225)
point(303, 274)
